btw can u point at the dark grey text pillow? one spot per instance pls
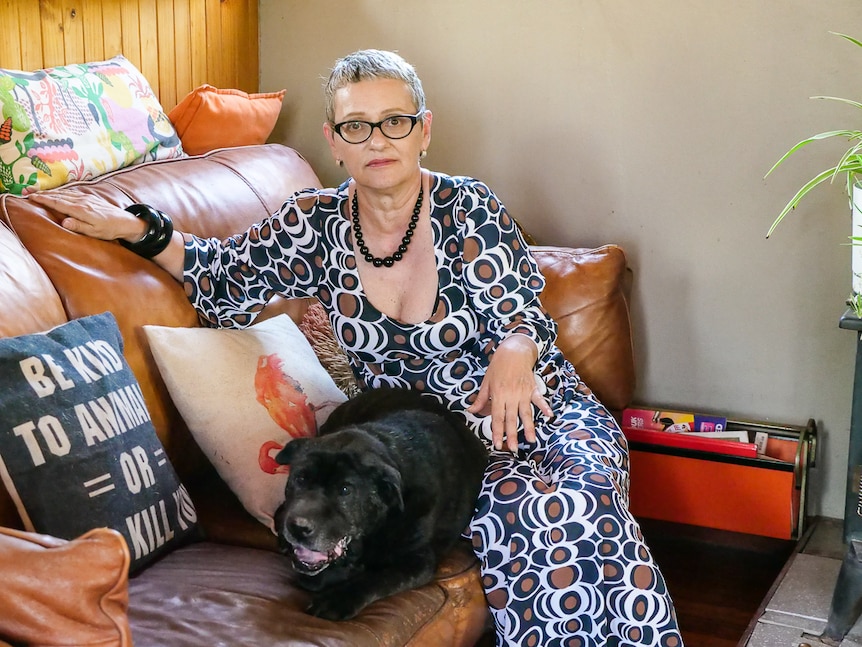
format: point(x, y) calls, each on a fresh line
point(77, 447)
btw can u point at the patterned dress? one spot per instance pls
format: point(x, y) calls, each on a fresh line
point(563, 561)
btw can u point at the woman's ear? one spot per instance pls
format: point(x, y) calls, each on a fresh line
point(426, 129)
point(330, 135)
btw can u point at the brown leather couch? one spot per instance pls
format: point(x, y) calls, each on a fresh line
point(230, 588)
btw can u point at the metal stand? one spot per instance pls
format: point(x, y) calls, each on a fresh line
point(847, 596)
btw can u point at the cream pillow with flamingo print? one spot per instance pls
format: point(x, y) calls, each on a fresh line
point(244, 394)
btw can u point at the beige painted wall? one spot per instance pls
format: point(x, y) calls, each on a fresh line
point(650, 125)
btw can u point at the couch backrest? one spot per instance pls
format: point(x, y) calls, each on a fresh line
point(586, 292)
point(49, 275)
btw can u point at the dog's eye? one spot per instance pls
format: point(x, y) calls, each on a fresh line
point(345, 490)
point(298, 480)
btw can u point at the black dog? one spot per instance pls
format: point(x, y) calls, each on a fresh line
point(377, 498)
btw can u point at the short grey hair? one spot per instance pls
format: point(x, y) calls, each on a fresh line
point(369, 64)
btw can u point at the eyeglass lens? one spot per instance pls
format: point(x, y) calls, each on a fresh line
point(394, 127)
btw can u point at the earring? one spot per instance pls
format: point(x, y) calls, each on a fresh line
point(423, 154)
point(341, 163)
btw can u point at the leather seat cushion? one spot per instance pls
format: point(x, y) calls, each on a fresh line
point(212, 594)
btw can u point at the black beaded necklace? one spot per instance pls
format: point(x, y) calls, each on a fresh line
point(389, 261)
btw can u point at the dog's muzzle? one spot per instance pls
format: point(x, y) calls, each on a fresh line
point(312, 562)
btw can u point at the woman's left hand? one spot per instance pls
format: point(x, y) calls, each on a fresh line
point(509, 386)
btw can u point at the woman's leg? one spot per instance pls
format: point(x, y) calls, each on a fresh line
point(563, 561)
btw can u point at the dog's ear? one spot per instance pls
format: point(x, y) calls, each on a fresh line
point(389, 485)
point(290, 451)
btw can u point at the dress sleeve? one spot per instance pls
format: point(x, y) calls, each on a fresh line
point(229, 281)
point(500, 275)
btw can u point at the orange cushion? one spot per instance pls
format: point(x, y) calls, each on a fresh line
point(210, 118)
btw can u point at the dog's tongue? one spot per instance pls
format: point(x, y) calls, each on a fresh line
point(308, 556)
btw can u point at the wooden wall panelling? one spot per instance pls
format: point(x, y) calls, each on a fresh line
point(253, 43)
point(94, 30)
point(182, 50)
point(112, 33)
point(166, 55)
point(177, 44)
point(148, 38)
point(10, 44)
point(72, 28)
point(30, 32)
point(53, 45)
point(248, 56)
point(229, 34)
point(198, 23)
point(215, 51)
point(239, 27)
point(130, 31)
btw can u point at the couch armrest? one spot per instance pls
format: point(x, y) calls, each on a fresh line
point(58, 592)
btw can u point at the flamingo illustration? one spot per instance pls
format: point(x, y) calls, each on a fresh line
point(283, 398)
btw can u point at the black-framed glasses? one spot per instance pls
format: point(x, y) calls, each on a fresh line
point(393, 127)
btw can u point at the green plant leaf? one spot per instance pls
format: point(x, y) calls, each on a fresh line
point(801, 193)
point(849, 164)
point(846, 37)
point(850, 134)
point(848, 101)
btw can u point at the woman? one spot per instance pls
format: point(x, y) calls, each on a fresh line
point(428, 284)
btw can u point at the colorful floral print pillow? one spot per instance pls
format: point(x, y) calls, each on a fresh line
point(77, 122)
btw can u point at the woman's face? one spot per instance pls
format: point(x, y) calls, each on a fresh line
point(378, 162)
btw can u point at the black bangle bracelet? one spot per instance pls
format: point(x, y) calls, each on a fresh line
point(160, 229)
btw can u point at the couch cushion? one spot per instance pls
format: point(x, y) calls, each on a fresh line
point(223, 595)
point(57, 592)
point(244, 394)
point(585, 294)
point(77, 448)
point(25, 289)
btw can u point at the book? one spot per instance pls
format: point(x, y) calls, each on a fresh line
point(781, 449)
point(738, 435)
point(655, 420)
point(691, 441)
point(670, 420)
point(706, 424)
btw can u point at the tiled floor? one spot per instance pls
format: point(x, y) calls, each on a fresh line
point(797, 611)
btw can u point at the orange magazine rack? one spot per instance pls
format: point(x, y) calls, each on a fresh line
point(763, 495)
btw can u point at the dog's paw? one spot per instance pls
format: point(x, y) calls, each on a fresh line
point(335, 606)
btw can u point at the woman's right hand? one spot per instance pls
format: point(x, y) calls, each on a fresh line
point(96, 218)
point(92, 216)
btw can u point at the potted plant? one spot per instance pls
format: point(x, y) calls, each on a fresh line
point(850, 166)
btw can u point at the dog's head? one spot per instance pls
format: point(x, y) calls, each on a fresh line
point(340, 490)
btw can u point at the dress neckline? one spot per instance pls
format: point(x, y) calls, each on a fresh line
point(432, 188)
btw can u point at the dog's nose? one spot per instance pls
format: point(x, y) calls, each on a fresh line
point(300, 527)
